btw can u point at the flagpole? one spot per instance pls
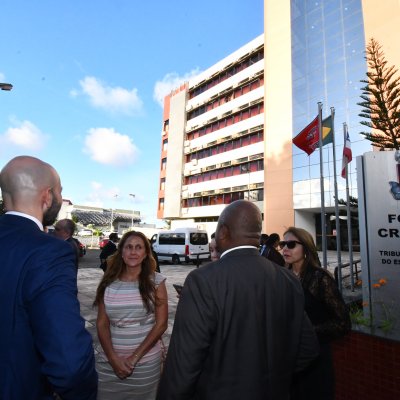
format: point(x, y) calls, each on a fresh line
point(349, 229)
point(338, 238)
point(321, 167)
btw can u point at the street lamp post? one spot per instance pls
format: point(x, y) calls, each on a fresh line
point(6, 86)
point(112, 217)
point(133, 197)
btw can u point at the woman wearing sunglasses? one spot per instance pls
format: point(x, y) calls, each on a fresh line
point(325, 308)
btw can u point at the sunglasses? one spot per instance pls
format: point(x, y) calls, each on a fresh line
point(290, 244)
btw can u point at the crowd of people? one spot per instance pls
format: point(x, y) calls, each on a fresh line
point(255, 322)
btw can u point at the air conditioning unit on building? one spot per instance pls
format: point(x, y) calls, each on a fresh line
point(186, 143)
point(194, 162)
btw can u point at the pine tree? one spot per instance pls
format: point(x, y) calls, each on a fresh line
point(381, 100)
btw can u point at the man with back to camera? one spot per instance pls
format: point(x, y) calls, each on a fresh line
point(108, 250)
point(44, 347)
point(64, 229)
point(240, 330)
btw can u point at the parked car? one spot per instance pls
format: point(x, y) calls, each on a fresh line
point(85, 232)
point(81, 246)
point(103, 242)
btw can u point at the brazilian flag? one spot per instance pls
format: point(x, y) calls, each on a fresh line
point(327, 133)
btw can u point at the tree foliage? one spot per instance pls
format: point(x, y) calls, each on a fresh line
point(2, 210)
point(353, 202)
point(381, 100)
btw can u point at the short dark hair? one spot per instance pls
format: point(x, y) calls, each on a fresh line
point(273, 238)
point(113, 237)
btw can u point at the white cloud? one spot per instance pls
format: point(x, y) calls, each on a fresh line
point(100, 196)
point(170, 82)
point(106, 146)
point(112, 99)
point(24, 135)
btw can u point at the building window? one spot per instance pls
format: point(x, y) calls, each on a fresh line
point(161, 204)
point(162, 184)
point(163, 164)
point(227, 121)
point(165, 144)
point(223, 75)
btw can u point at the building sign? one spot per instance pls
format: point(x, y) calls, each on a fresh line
point(378, 178)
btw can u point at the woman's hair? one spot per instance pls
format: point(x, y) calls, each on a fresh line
point(310, 251)
point(116, 267)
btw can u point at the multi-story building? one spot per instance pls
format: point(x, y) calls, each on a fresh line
point(315, 52)
point(213, 140)
point(227, 134)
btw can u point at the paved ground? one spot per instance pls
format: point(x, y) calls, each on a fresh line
point(89, 275)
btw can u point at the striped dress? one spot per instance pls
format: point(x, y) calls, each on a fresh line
point(129, 325)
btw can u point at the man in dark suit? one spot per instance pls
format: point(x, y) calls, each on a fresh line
point(269, 251)
point(64, 229)
point(44, 347)
point(240, 330)
point(108, 250)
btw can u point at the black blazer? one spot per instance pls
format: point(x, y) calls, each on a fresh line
point(240, 332)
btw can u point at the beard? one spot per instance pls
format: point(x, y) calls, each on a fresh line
point(50, 215)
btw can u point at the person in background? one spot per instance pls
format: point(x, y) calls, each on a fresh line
point(240, 330)
point(324, 306)
point(155, 256)
point(214, 254)
point(132, 315)
point(64, 229)
point(109, 249)
point(263, 239)
point(270, 252)
point(44, 346)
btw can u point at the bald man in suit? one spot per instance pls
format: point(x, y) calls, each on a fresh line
point(240, 330)
point(44, 347)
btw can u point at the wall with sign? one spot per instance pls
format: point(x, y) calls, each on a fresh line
point(378, 176)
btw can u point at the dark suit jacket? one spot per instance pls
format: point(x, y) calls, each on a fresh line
point(109, 249)
point(240, 332)
point(75, 248)
point(272, 254)
point(44, 346)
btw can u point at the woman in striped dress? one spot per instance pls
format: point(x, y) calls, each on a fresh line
point(132, 315)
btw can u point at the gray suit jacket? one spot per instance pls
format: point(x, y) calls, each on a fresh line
point(240, 332)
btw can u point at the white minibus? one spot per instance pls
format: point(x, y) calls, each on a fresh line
point(181, 245)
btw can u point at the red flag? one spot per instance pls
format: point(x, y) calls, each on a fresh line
point(308, 139)
point(347, 155)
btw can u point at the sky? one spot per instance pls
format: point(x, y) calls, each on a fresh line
point(89, 81)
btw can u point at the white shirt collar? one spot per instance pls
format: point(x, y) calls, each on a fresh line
point(238, 247)
point(34, 219)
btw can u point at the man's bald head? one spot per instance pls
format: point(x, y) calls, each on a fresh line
point(239, 224)
point(27, 184)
